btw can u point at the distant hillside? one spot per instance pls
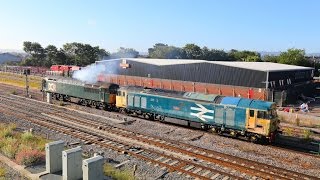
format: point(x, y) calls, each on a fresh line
point(8, 57)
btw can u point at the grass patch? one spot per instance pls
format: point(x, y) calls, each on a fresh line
point(27, 137)
point(306, 134)
point(9, 147)
point(288, 131)
point(116, 174)
point(26, 148)
point(2, 172)
point(7, 131)
point(29, 156)
point(19, 80)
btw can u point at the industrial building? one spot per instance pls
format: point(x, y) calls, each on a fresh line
point(258, 80)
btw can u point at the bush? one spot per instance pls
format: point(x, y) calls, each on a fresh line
point(27, 137)
point(7, 131)
point(9, 147)
point(29, 157)
point(2, 172)
point(117, 174)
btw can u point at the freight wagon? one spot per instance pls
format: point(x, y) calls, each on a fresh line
point(97, 95)
point(253, 119)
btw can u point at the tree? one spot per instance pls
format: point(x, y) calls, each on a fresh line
point(192, 51)
point(54, 56)
point(36, 52)
point(270, 58)
point(125, 53)
point(163, 51)
point(294, 57)
point(214, 54)
point(244, 55)
point(83, 54)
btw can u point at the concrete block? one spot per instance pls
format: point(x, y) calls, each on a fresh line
point(93, 168)
point(72, 164)
point(54, 156)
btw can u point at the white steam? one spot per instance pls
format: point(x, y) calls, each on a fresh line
point(90, 73)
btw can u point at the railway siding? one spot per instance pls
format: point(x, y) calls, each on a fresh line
point(165, 144)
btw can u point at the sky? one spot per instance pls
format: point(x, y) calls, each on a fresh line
point(259, 25)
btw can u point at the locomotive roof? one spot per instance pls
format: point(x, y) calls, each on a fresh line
point(210, 98)
point(259, 66)
point(80, 83)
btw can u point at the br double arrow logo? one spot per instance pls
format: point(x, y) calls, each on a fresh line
point(202, 111)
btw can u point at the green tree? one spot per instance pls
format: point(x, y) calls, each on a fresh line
point(83, 54)
point(163, 51)
point(270, 58)
point(125, 53)
point(36, 52)
point(294, 57)
point(244, 55)
point(192, 51)
point(54, 56)
point(214, 54)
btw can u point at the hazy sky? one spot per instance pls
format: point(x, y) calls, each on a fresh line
point(261, 25)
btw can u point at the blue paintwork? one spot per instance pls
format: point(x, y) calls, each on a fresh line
point(230, 101)
point(213, 114)
point(245, 103)
point(263, 105)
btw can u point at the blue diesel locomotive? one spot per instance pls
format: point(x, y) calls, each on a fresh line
point(252, 119)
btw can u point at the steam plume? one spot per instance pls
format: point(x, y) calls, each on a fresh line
point(90, 73)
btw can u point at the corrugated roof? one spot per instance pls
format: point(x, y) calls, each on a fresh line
point(259, 66)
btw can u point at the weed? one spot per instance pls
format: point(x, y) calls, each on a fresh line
point(297, 121)
point(2, 172)
point(27, 137)
point(29, 157)
point(288, 131)
point(117, 174)
point(9, 147)
point(7, 131)
point(306, 134)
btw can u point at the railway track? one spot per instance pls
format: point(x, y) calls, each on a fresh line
point(227, 163)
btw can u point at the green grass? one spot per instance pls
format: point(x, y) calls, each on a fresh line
point(27, 137)
point(116, 174)
point(26, 148)
point(19, 80)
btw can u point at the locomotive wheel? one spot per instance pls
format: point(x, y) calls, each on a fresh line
point(253, 139)
point(161, 118)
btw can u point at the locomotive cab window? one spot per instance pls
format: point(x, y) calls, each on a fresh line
point(262, 115)
point(119, 93)
point(251, 113)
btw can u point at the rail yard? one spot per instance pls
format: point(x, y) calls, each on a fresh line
point(152, 149)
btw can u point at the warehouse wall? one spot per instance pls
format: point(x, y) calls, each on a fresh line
point(196, 72)
point(226, 90)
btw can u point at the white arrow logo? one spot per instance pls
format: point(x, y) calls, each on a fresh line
point(202, 110)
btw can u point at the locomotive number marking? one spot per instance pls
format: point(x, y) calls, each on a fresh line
point(52, 87)
point(202, 111)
